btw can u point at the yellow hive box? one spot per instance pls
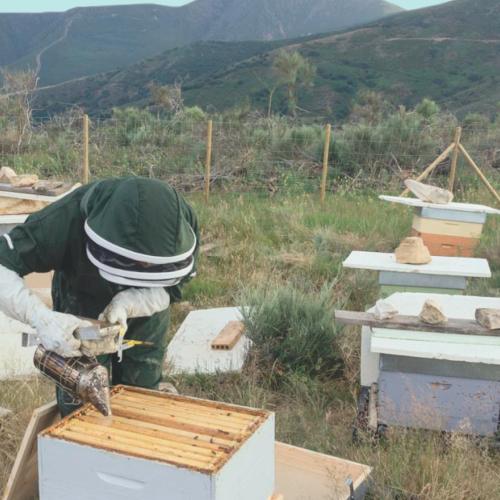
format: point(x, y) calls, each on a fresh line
point(447, 227)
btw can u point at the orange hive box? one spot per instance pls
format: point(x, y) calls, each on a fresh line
point(448, 246)
point(156, 443)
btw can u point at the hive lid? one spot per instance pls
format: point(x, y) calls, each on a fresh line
point(186, 432)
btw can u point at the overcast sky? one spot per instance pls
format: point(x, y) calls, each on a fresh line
point(52, 5)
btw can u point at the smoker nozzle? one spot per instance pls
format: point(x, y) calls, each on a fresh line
point(84, 378)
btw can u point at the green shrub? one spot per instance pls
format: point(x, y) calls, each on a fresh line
point(293, 331)
point(427, 108)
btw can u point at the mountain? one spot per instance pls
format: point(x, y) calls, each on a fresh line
point(90, 40)
point(450, 53)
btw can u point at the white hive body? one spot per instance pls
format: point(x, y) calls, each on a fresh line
point(159, 447)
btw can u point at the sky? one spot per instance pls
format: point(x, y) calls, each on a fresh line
point(57, 5)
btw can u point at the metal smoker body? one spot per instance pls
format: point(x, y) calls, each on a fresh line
point(82, 377)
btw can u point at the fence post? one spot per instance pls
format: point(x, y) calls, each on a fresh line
point(326, 155)
point(85, 162)
point(208, 160)
point(454, 158)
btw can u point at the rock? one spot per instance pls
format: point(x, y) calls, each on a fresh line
point(21, 181)
point(6, 174)
point(412, 251)
point(384, 310)
point(432, 313)
point(168, 388)
point(46, 187)
point(431, 194)
point(489, 318)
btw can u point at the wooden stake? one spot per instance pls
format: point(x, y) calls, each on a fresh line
point(85, 163)
point(480, 174)
point(326, 155)
point(454, 159)
point(432, 166)
point(208, 161)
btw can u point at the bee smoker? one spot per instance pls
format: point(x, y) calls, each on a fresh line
point(82, 377)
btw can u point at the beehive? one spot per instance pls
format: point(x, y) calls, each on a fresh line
point(159, 446)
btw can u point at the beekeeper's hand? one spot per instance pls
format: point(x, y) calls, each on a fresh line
point(55, 330)
point(135, 303)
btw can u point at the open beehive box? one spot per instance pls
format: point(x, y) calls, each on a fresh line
point(159, 446)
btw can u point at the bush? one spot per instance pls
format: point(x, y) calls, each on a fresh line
point(293, 332)
point(427, 108)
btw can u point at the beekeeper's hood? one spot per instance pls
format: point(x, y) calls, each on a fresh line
point(137, 233)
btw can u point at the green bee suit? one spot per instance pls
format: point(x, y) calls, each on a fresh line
point(54, 240)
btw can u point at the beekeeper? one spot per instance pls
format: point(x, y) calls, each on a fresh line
point(120, 249)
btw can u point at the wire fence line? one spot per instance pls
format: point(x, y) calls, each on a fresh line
point(249, 153)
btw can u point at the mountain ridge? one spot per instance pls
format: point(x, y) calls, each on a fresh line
point(450, 53)
point(108, 37)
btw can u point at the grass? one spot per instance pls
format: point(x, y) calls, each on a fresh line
point(292, 244)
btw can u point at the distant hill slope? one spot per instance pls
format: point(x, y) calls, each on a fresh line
point(450, 53)
point(86, 41)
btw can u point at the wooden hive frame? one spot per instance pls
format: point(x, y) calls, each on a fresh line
point(196, 434)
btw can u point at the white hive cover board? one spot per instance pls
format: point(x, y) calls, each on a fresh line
point(442, 266)
point(453, 347)
point(12, 219)
point(190, 350)
point(15, 360)
point(460, 207)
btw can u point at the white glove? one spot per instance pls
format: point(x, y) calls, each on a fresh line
point(54, 329)
point(135, 303)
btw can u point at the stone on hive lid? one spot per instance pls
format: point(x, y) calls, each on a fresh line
point(412, 251)
point(21, 181)
point(489, 318)
point(384, 310)
point(6, 174)
point(432, 313)
point(431, 194)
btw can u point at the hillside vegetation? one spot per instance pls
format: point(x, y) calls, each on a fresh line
point(85, 41)
point(450, 53)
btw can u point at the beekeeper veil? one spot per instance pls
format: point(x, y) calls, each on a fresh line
point(138, 233)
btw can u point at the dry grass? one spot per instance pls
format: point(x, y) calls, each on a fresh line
point(292, 242)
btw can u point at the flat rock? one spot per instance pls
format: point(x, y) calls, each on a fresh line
point(432, 313)
point(47, 186)
point(412, 251)
point(431, 194)
point(6, 174)
point(488, 318)
point(384, 310)
point(21, 181)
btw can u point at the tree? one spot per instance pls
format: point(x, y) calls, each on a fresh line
point(294, 71)
point(16, 99)
point(167, 97)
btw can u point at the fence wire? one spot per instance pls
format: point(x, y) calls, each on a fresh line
point(249, 153)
